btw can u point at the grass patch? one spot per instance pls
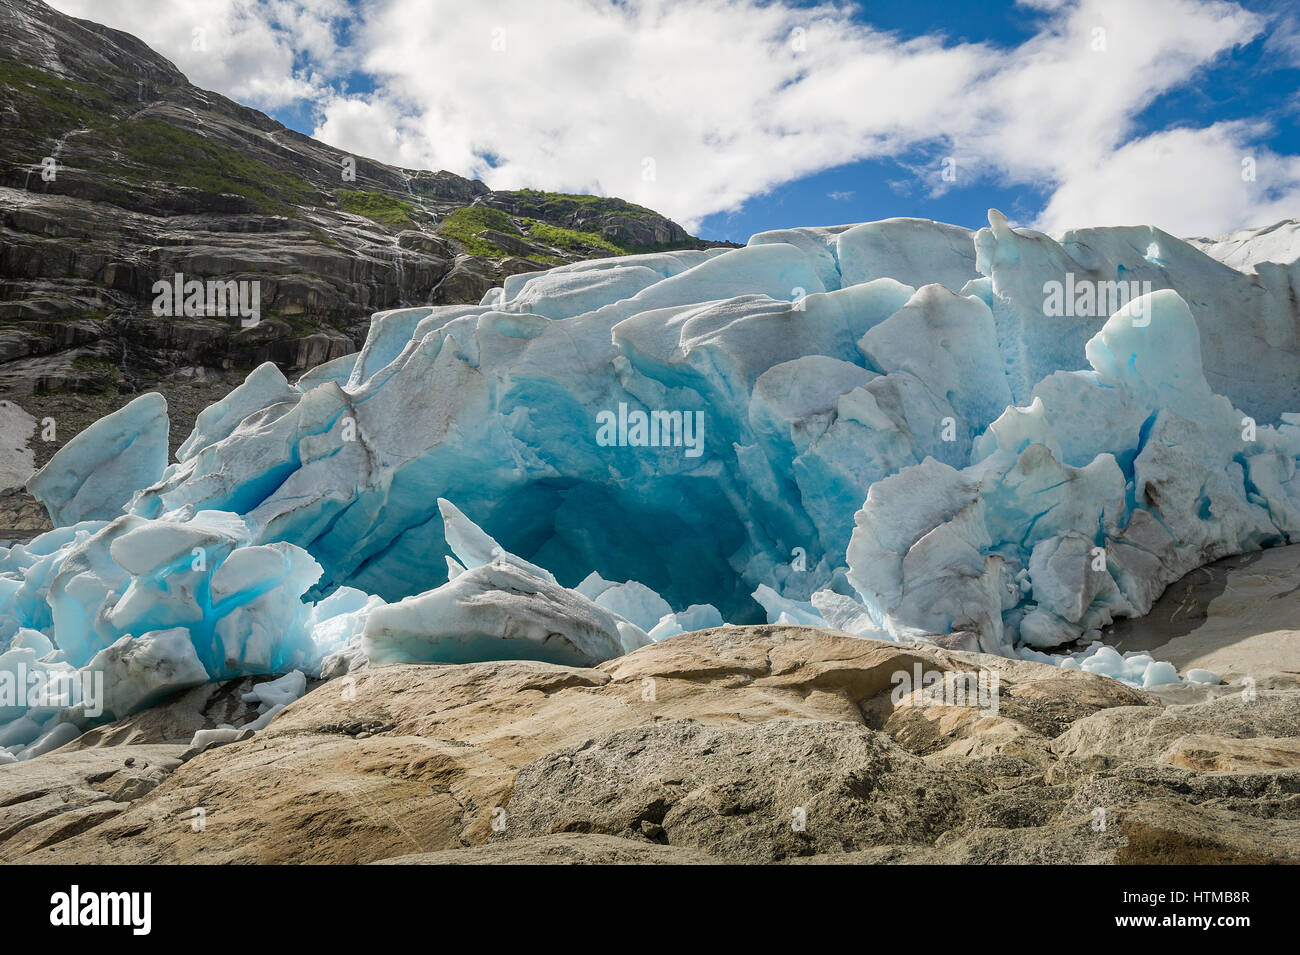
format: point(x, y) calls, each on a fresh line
point(571, 240)
point(72, 102)
point(323, 237)
point(464, 224)
point(89, 364)
point(384, 209)
point(155, 149)
point(560, 205)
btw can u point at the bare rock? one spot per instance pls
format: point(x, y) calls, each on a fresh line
point(178, 718)
point(1224, 754)
point(566, 848)
point(698, 748)
point(749, 792)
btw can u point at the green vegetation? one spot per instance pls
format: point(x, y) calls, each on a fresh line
point(464, 224)
point(585, 211)
point(384, 209)
point(324, 238)
point(554, 206)
point(156, 150)
point(571, 240)
point(89, 364)
point(72, 102)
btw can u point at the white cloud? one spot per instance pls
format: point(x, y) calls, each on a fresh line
point(694, 106)
point(689, 108)
point(1186, 181)
point(253, 51)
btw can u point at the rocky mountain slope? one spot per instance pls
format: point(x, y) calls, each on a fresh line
point(116, 172)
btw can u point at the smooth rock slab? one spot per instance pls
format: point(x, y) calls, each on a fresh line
point(1223, 754)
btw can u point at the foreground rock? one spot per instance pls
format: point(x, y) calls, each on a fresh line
point(561, 849)
point(739, 744)
point(49, 801)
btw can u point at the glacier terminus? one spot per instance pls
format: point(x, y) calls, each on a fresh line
point(994, 440)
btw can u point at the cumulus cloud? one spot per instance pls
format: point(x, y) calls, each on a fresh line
point(693, 107)
point(264, 53)
point(1182, 180)
point(690, 107)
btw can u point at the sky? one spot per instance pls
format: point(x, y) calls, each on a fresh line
point(738, 116)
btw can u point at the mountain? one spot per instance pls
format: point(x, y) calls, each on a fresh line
point(152, 176)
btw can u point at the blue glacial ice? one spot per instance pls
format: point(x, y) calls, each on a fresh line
point(101, 468)
point(883, 428)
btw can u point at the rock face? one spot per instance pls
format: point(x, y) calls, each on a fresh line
point(738, 744)
point(76, 792)
point(176, 720)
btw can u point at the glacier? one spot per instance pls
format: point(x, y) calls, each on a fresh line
point(897, 437)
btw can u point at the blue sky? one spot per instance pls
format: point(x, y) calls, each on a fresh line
point(1246, 83)
point(749, 115)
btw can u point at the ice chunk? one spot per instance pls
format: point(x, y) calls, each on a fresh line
point(916, 252)
point(493, 612)
point(635, 602)
point(845, 613)
point(559, 294)
point(783, 610)
point(94, 476)
point(262, 721)
point(474, 548)
point(265, 386)
point(220, 736)
point(336, 371)
point(948, 342)
point(1158, 673)
point(699, 617)
point(1151, 348)
point(278, 693)
point(139, 671)
point(336, 622)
